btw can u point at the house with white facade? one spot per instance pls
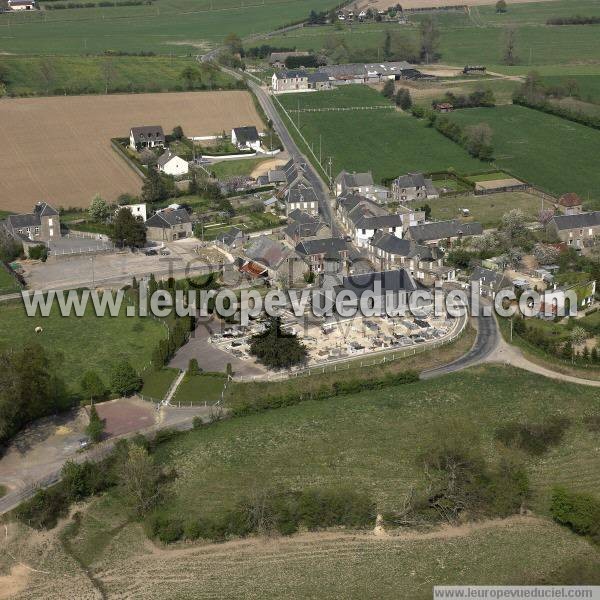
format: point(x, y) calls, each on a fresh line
point(139, 211)
point(289, 81)
point(21, 4)
point(246, 138)
point(150, 136)
point(362, 218)
point(301, 196)
point(171, 164)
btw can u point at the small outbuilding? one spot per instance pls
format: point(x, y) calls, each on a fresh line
point(171, 164)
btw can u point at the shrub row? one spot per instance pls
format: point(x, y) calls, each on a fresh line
point(272, 512)
point(337, 388)
point(577, 20)
point(557, 111)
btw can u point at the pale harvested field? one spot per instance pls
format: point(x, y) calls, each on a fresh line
point(58, 149)
point(383, 4)
point(322, 565)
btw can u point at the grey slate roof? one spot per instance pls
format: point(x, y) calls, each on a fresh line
point(440, 230)
point(246, 134)
point(328, 246)
point(266, 251)
point(276, 176)
point(410, 180)
point(354, 180)
point(588, 219)
point(400, 247)
point(293, 74)
point(20, 221)
point(489, 278)
point(33, 219)
point(364, 70)
point(397, 280)
point(168, 218)
point(304, 230)
point(301, 193)
point(366, 214)
point(148, 132)
point(228, 237)
point(318, 77)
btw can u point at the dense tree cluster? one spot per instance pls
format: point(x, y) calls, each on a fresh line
point(29, 388)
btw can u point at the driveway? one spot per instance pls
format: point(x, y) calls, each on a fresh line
point(209, 357)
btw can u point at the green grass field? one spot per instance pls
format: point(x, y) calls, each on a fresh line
point(488, 209)
point(157, 383)
point(385, 142)
point(198, 389)
point(373, 440)
point(8, 283)
point(231, 168)
point(480, 37)
point(588, 86)
point(164, 27)
point(86, 75)
point(83, 343)
point(552, 153)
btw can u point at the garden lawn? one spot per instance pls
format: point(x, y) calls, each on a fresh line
point(83, 343)
point(232, 168)
point(555, 154)
point(157, 383)
point(487, 209)
point(8, 283)
point(198, 389)
point(372, 441)
point(386, 142)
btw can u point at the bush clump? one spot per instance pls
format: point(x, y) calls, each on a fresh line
point(534, 438)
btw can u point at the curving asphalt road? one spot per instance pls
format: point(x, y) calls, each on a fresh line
point(488, 337)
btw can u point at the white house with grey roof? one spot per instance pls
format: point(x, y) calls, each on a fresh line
point(171, 164)
point(362, 218)
point(411, 187)
point(301, 196)
point(289, 81)
point(246, 138)
point(443, 233)
point(149, 136)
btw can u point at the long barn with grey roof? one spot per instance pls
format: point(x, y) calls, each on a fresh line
point(578, 230)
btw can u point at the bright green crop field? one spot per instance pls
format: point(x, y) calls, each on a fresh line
point(552, 153)
point(386, 142)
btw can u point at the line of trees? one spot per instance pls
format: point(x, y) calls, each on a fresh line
point(577, 20)
point(475, 139)
point(478, 98)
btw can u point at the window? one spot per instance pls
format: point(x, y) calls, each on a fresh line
point(364, 231)
point(50, 222)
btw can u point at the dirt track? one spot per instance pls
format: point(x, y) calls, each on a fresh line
point(58, 149)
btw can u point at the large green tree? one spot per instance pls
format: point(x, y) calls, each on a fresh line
point(277, 349)
point(128, 230)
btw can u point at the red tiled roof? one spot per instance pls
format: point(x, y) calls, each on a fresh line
point(253, 269)
point(570, 199)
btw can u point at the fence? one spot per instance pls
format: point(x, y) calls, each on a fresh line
point(346, 363)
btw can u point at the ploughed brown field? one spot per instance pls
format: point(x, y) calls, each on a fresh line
point(58, 149)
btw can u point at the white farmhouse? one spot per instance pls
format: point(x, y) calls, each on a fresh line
point(137, 210)
point(21, 4)
point(246, 138)
point(171, 164)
